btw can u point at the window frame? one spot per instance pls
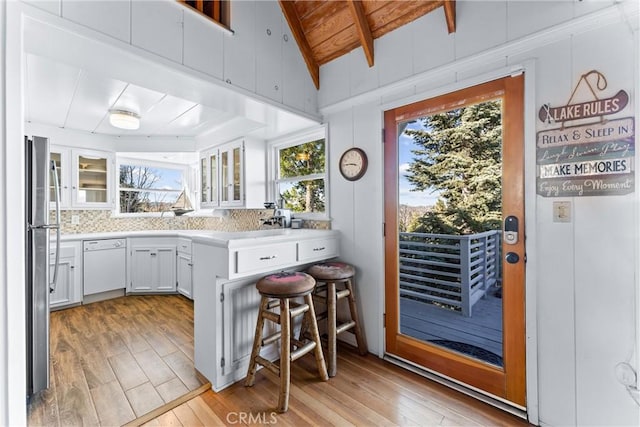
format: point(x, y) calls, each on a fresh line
point(273, 169)
point(186, 171)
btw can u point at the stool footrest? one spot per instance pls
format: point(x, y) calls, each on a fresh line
point(295, 355)
point(297, 311)
point(273, 304)
point(345, 326)
point(271, 338)
point(275, 318)
point(322, 315)
point(343, 293)
point(268, 364)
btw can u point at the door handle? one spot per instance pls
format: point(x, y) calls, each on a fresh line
point(512, 257)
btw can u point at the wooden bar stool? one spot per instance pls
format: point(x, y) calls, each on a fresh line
point(276, 290)
point(329, 277)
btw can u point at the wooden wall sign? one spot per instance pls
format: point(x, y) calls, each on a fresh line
point(590, 158)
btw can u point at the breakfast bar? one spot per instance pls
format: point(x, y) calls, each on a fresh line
point(226, 267)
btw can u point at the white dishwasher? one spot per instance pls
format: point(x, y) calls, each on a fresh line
point(104, 265)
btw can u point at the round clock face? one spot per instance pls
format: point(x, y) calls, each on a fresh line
point(353, 164)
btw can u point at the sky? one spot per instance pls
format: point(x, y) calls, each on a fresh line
point(405, 157)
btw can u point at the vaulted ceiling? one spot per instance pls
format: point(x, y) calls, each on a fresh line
point(328, 29)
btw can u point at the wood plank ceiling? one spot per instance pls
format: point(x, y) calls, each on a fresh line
point(328, 29)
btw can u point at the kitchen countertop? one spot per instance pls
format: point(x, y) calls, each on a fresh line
point(228, 239)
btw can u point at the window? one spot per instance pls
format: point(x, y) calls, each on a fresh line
point(146, 187)
point(300, 177)
point(218, 10)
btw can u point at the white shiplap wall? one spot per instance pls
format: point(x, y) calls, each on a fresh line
point(581, 277)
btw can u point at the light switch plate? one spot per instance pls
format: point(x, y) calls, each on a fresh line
point(562, 212)
point(75, 219)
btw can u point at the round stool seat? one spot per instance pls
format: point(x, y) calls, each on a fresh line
point(285, 284)
point(331, 271)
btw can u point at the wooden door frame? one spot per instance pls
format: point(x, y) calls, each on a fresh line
point(491, 379)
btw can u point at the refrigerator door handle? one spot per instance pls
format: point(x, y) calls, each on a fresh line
point(56, 188)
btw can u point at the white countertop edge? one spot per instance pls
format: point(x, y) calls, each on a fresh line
point(229, 239)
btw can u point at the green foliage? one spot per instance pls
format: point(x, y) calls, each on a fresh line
point(460, 156)
point(303, 161)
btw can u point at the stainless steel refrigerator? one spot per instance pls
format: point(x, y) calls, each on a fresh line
point(41, 181)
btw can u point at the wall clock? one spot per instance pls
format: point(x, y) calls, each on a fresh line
point(353, 164)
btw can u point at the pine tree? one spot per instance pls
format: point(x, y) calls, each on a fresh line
point(460, 156)
point(305, 160)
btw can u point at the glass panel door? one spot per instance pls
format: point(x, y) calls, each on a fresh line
point(236, 174)
point(57, 158)
point(224, 160)
point(453, 174)
point(92, 180)
point(204, 189)
point(213, 179)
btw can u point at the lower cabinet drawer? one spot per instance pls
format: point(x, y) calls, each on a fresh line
point(311, 250)
point(265, 258)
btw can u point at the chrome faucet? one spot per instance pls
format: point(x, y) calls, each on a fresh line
point(280, 217)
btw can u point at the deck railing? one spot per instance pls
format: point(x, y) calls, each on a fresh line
point(448, 270)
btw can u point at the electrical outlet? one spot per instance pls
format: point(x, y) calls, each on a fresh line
point(75, 219)
point(561, 211)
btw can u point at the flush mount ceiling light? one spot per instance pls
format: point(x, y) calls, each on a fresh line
point(123, 119)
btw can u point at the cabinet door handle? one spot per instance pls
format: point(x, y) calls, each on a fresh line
point(265, 258)
point(319, 249)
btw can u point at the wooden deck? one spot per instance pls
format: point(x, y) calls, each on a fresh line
point(428, 322)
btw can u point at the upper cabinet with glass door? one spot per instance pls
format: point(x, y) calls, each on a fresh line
point(209, 178)
point(233, 175)
point(85, 177)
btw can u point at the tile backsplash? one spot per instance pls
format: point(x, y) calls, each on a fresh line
point(100, 221)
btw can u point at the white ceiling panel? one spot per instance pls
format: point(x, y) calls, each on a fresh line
point(50, 86)
point(194, 120)
point(137, 99)
point(93, 97)
point(73, 82)
point(162, 113)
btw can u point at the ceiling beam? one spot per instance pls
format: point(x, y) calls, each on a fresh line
point(289, 10)
point(450, 15)
point(362, 26)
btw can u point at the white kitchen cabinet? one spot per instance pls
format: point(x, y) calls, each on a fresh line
point(152, 265)
point(269, 41)
point(68, 287)
point(242, 167)
point(184, 268)
point(239, 302)
point(224, 276)
point(239, 170)
point(92, 180)
point(209, 179)
point(297, 87)
point(156, 26)
point(107, 16)
point(62, 157)
point(203, 45)
point(240, 47)
point(85, 178)
point(231, 171)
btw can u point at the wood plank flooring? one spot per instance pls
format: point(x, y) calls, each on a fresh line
point(114, 361)
point(366, 392)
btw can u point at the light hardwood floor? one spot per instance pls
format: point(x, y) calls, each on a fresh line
point(366, 392)
point(114, 361)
